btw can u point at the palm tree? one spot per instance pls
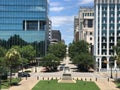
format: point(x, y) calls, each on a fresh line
point(12, 57)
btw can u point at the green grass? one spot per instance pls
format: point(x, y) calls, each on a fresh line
point(53, 85)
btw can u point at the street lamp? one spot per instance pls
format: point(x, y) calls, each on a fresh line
point(111, 62)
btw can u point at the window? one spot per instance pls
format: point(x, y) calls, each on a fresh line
point(90, 33)
point(32, 25)
point(90, 38)
point(90, 23)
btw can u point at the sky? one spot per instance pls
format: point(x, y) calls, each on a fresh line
point(62, 12)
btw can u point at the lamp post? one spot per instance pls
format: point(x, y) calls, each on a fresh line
point(111, 75)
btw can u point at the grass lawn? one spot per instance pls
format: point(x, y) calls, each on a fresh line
point(53, 85)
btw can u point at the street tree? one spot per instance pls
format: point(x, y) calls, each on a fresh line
point(59, 50)
point(28, 52)
point(117, 50)
point(80, 55)
point(50, 61)
point(12, 57)
point(84, 61)
point(78, 47)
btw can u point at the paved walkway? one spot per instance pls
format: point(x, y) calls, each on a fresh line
point(26, 84)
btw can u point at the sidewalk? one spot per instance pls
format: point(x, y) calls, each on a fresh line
point(26, 84)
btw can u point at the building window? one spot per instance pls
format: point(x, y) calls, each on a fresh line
point(32, 25)
point(91, 33)
point(90, 23)
point(90, 38)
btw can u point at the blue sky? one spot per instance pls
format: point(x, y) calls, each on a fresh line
point(62, 13)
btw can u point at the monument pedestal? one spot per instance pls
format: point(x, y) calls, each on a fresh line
point(66, 78)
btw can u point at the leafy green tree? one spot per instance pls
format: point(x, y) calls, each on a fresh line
point(12, 57)
point(2, 51)
point(59, 50)
point(117, 49)
point(80, 55)
point(84, 61)
point(16, 40)
point(51, 62)
point(28, 52)
point(78, 47)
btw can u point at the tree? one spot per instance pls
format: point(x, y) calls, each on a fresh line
point(51, 62)
point(12, 56)
point(80, 55)
point(76, 48)
point(117, 49)
point(16, 40)
point(28, 52)
point(59, 50)
point(84, 61)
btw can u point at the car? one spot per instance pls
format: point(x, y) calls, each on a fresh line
point(23, 74)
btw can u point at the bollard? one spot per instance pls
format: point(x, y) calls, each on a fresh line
point(96, 79)
point(43, 78)
point(37, 77)
point(108, 80)
point(81, 79)
point(90, 79)
point(26, 77)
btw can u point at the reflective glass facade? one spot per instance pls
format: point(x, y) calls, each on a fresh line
point(25, 18)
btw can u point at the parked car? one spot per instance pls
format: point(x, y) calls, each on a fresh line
point(23, 74)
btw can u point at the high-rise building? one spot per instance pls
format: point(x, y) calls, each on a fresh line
point(26, 20)
point(76, 28)
point(86, 24)
point(107, 32)
point(56, 36)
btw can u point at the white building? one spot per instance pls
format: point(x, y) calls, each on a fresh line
point(86, 24)
point(107, 32)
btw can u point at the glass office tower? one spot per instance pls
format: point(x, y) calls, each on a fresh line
point(24, 22)
point(107, 32)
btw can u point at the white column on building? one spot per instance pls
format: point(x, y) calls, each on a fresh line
point(107, 29)
point(115, 35)
point(100, 64)
point(38, 25)
point(115, 30)
point(25, 25)
point(100, 31)
point(96, 32)
point(108, 63)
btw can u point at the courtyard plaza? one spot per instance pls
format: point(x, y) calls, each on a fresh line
point(102, 78)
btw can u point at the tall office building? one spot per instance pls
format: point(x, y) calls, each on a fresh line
point(86, 24)
point(55, 36)
point(107, 32)
point(26, 20)
point(76, 28)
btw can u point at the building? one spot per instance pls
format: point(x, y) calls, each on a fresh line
point(86, 24)
point(107, 32)
point(26, 20)
point(76, 28)
point(56, 36)
point(50, 29)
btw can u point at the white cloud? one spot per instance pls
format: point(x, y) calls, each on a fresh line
point(54, 4)
point(85, 2)
point(58, 21)
point(56, 9)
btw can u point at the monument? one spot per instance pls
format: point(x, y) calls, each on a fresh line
point(66, 76)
